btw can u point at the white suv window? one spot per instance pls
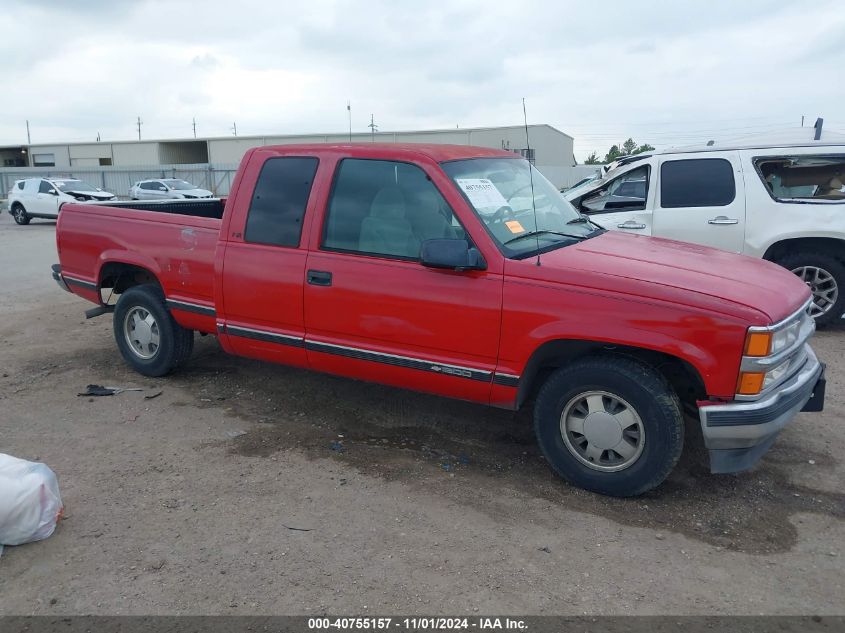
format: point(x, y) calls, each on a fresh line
point(806, 178)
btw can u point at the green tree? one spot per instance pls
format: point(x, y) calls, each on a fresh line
point(592, 159)
point(613, 153)
point(628, 148)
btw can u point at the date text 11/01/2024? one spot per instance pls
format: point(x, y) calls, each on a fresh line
point(416, 624)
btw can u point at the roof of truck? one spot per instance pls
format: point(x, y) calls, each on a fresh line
point(439, 153)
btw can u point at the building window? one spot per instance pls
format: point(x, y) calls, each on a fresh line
point(43, 160)
point(105, 162)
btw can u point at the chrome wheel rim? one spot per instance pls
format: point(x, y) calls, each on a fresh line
point(602, 431)
point(141, 332)
point(823, 286)
point(20, 215)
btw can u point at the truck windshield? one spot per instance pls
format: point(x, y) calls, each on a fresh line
point(500, 192)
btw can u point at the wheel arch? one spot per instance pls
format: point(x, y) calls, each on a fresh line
point(835, 247)
point(121, 275)
point(684, 377)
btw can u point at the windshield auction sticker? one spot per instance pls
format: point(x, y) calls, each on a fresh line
point(482, 193)
point(515, 226)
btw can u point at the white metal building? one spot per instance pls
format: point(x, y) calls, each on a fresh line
point(551, 149)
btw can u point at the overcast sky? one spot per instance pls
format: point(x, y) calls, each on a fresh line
point(662, 72)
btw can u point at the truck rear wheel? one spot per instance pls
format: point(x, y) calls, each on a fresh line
point(20, 214)
point(609, 424)
point(825, 276)
point(147, 335)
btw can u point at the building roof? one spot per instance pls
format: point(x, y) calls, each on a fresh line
point(361, 136)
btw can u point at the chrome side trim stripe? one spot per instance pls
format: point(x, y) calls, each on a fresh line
point(261, 335)
point(73, 281)
point(187, 306)
point(400, 361)
point(506, 380)
point(361, 354)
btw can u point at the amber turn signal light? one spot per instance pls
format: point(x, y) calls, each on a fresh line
point(750, 383)
point(758, 343)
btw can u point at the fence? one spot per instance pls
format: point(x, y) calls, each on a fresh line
point(217, 178)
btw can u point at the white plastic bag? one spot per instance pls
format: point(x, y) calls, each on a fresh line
point(30, 505)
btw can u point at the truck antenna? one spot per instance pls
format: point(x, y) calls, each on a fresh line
point(531, 177)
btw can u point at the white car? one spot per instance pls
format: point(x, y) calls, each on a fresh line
point(781, 200)
point(166, 189)
point(42, 197)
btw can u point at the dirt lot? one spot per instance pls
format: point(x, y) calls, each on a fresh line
point(402, 503)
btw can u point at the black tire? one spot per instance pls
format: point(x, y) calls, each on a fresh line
point(20, 214)
point(175, 343)
point(833, 311)
point(648, 393)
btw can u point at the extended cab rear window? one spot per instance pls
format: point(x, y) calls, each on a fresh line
point(803, 178)
point(279, 201)
point(697, 182)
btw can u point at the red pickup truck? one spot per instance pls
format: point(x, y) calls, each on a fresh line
point(461, 271)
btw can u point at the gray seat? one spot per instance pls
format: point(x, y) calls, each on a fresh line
point(427, 222)
point(386, 230)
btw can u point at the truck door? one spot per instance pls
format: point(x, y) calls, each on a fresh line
point(264, 262)
point(372, 311)
point(624, 203)
point(701, 200)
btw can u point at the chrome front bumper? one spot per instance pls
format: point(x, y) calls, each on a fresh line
point(737, 434)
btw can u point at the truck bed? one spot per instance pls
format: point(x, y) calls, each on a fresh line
point(174, 240)
point(205, 208)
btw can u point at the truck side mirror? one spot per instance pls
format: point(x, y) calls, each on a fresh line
point(453, 254)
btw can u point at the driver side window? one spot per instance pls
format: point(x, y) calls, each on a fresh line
point(627, 192)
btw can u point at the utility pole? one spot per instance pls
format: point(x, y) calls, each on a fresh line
point(28, 142)
point(139, 127)
point(234, 128)
point(802, 120)
point(349, 112)
point(195, 126)
point(373, 128)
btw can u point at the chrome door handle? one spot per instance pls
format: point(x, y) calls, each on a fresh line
point(630, 224)
point(723, 219)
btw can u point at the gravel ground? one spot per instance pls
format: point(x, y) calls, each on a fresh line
point(247, 488)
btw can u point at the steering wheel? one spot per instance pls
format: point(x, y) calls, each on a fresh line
point(502, 213)
point(513, 193)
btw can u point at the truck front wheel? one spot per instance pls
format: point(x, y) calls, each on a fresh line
point(146, 333)
point(610, 424)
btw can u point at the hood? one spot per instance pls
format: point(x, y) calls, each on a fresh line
point(675, 271)
point(99, 195)
point(197, 193)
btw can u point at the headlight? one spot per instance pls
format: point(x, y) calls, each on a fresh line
point(765, 346)
point(759, 344)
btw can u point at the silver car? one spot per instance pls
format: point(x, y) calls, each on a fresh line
point(166, 189)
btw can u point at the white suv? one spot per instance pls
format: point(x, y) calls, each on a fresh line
point(166, 189)
point(42, 197)
point(782, 202)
